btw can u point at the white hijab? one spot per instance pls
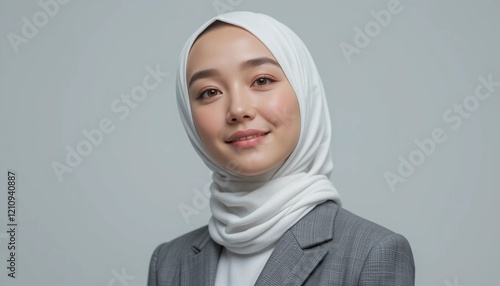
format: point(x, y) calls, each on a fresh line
point(251, 213)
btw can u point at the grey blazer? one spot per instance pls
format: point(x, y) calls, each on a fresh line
point(328, 246)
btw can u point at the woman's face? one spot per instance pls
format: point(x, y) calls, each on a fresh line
point(235, 84)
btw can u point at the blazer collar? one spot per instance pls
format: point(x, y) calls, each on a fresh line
point(316, 227)
point(200, 266)
point(301, 248)
point(294, 257)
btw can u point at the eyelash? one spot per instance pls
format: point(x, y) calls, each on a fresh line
point(267, 77)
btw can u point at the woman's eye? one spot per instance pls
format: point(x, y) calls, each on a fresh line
point(263, 81)
point(208, 92)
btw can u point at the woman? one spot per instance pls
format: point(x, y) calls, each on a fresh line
point(253, 106)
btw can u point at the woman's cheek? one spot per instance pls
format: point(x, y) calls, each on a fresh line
point(206, 122)
point(282, 113)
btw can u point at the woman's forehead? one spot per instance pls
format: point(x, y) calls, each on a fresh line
point(226, 35)
point(223, 44)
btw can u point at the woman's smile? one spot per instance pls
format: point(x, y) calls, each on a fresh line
point(247, 142)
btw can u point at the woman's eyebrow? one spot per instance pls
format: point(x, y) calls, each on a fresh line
point(251, 63)
point(203, 74)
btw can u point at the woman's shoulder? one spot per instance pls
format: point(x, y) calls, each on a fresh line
point(177, 247)
point(366, 250)
point(368, 238)
point(352, 231)
point(347, 223)
point(165, 260)
point(354, 224)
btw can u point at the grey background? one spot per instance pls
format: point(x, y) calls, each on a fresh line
point(123, 199)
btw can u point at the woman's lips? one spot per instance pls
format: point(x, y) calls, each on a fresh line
point(248, 142)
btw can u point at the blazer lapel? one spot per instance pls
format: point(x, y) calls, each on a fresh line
point(301, 248)
point(199, 268)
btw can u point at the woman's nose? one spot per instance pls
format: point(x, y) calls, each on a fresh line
point(240, 105)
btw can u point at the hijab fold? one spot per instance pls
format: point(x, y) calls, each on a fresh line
point(250, 213)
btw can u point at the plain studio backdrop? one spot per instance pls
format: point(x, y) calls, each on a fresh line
point(104, 171)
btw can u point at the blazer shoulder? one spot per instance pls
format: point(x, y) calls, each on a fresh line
point(360, 234)
point(368, 253)
point(354, 224)
point(179, 246)
point(375, 244)
point(166, 257)
point(387, 257)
